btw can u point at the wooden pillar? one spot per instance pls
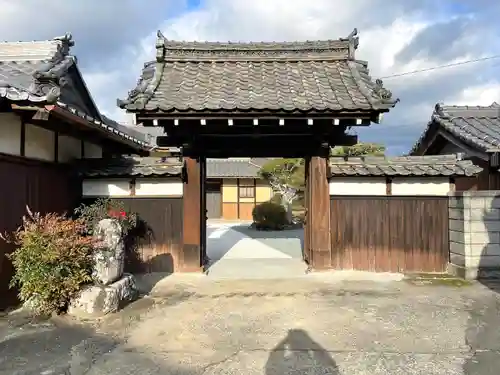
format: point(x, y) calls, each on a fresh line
point(307, 205)
point(318, 213)
point(192, 231)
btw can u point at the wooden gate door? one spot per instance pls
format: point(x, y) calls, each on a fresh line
point(214, 200)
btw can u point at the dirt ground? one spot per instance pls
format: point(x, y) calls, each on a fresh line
point(313, 325)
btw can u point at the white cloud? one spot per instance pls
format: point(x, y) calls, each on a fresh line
point(479, 95)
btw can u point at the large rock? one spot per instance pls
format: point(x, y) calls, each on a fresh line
point(109, 257)
point(105, 299)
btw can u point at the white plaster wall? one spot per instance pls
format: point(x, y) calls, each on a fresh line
point(357, 186)
point(159, 188)
point(92, 150)
point(143, 188)
point(435, 186)
point(401, 186)
point(10, 134)
point(39, 143)
point(69, 148)
point(106, 188)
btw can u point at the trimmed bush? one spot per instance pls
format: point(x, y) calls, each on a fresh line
point(52, 262)
point(269, 216)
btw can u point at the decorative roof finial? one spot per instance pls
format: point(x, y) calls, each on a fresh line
point(353, 40)
point(160, 46)
point(381, 91)
point(438, 109)
point(66, 43)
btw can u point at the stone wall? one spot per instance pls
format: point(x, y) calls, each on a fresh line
point(475, 234)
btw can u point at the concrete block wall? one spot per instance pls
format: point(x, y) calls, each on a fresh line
point(475, 234)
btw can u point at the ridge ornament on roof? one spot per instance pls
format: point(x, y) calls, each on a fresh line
point(311, 76)
point(49, 77)
point(37, 71)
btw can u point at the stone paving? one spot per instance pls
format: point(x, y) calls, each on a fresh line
point(314, 325)
point(238, 251)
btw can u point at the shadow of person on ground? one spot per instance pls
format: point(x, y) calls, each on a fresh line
point(483, 327)
point(298, 353)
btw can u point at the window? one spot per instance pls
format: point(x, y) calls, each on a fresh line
point(247, 191)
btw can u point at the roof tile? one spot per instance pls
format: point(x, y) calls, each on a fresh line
point(295, 76)
point(130, 166)
point(439, 165)
point(157, 166)
point(476, 126)
point(38, 72)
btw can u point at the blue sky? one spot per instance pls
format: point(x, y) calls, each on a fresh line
point(115, 37)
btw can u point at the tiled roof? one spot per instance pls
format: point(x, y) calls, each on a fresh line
point(129, 166)
point(152, 166)
point(38, 72)
point(439, 165)
point(112, 128)
point(234, 167)
point(478, 127)
point(312, 76)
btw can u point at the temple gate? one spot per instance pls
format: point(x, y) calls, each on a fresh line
point(267, 99)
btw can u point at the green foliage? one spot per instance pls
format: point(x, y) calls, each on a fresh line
point(359, 149)
point(269, 216)
point(53, 260)
point(286, 171)
point(105, 208)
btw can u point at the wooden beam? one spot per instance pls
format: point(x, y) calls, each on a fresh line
point(22, 150)
point(220, 124)
point(260, 115)
point(132, 187)
point(82, 149)
point(191, 250)
point(318, 213)
point(468, 150)
point(388, 186)
point(56, 146)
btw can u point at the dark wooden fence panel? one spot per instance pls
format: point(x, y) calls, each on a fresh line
point(390, 233)
point(160, 235)
point(44, 188)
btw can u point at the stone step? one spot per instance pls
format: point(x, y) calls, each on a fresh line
point(254, 268)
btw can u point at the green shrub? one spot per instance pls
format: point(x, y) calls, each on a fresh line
point(269, 216)
point(52, 262)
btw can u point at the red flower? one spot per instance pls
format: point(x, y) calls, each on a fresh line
point(117, 214)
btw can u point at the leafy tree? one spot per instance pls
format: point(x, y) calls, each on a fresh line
point(287, 177)
point(359, 149)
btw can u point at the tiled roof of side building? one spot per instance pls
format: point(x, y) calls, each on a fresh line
point(476, 126)
point(438, 165)
point(162, 166)
point(234, 167)
point(311, 76)
point(130, 166)
point(45, 73)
